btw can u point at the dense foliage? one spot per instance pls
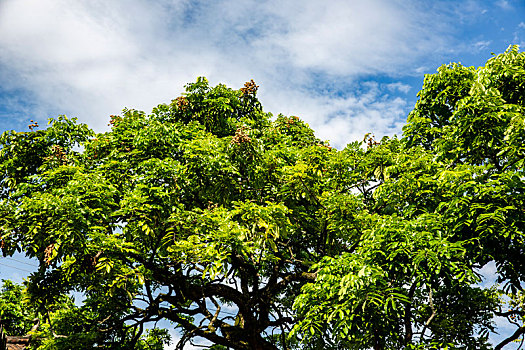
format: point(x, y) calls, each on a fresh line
point(16, 317)
point(248, 231)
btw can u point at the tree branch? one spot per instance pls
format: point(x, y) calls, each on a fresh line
point(513, 337)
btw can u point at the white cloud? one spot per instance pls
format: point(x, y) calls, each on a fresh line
point(489, 274)
point(404, 88)
point(482, 45)
point(354, 37)
point(343, 119)
point(86, 59)
point(92, 58)
point(519, 35)
point(504, 4)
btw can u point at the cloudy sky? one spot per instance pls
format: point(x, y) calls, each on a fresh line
point(346, 67)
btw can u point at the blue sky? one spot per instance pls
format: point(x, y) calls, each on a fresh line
point(346, 67)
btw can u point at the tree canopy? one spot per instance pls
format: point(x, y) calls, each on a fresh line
point(246, 230)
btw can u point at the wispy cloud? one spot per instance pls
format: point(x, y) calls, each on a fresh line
point(519, 35)
point(350, 39)
point(482, 45)
point(92, 58)
point(343, 119)
point(504, 4)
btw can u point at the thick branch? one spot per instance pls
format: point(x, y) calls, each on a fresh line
point(513, 337)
